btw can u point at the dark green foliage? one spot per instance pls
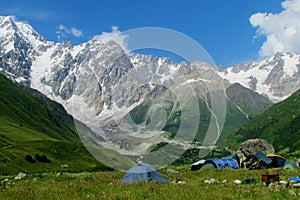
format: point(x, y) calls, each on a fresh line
point(42, 158)
point(30, 159)
point(158, 146)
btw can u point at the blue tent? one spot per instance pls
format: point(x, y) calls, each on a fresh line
point(221, 163)
point(144, 173)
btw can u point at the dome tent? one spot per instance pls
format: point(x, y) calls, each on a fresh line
point(143, 173)
point(220, 163)
point(290, 165)
point(276, 161)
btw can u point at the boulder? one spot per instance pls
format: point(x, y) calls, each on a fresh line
point(248, 148)
point(20, 176)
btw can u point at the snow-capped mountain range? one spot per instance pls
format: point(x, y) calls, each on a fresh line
point(277, 77)
point(94, 80)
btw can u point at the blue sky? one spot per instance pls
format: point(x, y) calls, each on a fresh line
point(222, 27)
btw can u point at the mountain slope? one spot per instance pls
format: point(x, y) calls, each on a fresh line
point(242, 105)
point(248, 101)
point(280, 125)
point(28, 128)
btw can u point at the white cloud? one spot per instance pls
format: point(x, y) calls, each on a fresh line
point(282, 30)
point(63, 31)
point(76, 32)
point(114, 35)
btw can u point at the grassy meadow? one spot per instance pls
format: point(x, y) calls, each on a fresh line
point(106, 185)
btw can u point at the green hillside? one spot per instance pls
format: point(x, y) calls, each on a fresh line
point(37, 134)
point(242, 105)
point(280, 125)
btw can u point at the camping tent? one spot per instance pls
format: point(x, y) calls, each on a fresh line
point(143, 172)
point(290, 165)
point(225, 162)
point(276, 161)
point(259, 160)
point(197, 165)
point(222, 163)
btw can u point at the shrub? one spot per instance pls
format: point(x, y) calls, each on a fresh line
point(42, 159)
point(30, 159)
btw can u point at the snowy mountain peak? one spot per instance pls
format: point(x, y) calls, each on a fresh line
point(26, 53)
point(277, 77)
point(11, 30)
point(7, 22)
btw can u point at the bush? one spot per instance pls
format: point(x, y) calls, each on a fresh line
point(30, 159)
point(42, 159)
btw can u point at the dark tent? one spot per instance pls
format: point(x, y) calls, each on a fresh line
point(276, 162)
point(197, 165)
point(143, 173)
point(262, 161)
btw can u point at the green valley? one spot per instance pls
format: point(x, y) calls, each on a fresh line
point(31, 127)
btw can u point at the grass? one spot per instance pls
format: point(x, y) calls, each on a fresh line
point(106, 185)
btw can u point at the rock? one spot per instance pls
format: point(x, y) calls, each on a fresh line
point(20, 176)
point(64, 166)
point(296, 185)
point(252, 146)
point(284, 183)
point(5, 180)
point(237, 182)
point(181, 182)
point(210, 181)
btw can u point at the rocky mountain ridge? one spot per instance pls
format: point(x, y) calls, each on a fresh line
point(99, 84)
point(277, 77)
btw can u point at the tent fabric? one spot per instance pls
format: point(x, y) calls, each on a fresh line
point(197, 165)
point(143, 173)
point(233, 156)
point(263, 157)
point(293, 178)
point(277, 162)
point(290, 165)
point(223, 163)
point(208, 166)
